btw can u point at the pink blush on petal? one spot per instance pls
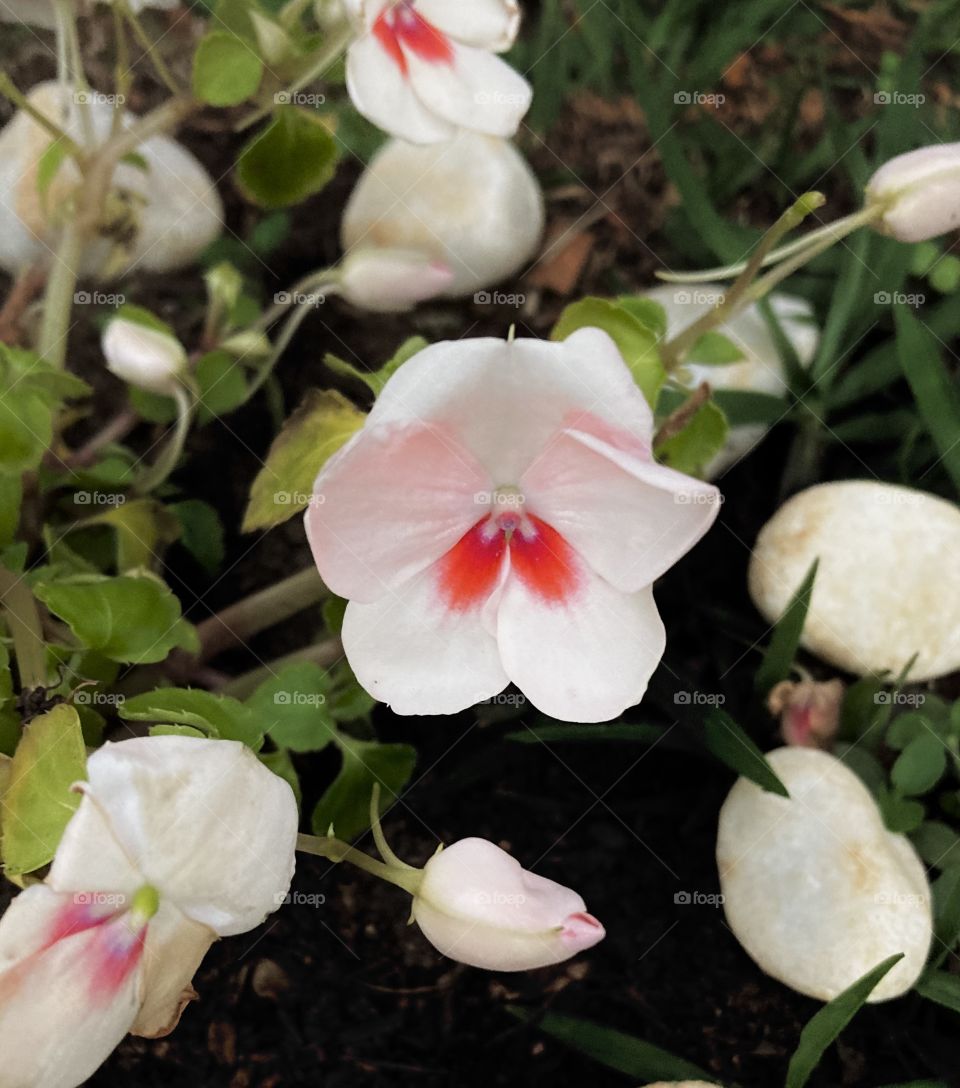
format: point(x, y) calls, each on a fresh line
point(116, 952)
point(582, 930)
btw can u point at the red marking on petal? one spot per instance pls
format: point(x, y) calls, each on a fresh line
point(385, 34)
point(117, 950)
point(544, 561)
point(421, 37)
point(469, 571)
point(75, 918)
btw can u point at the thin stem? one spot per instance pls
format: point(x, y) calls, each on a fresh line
point(67, 29)
point(313, 284)
point(114, 431)
point(58, 299)
point(336, 850)
point(171, 453)
point(340, 38)
point(261, 610)
point(677, 420)
point(121, 71)
point(378, 836)
point(9, 90)
point(151, 49)
point(23, 620)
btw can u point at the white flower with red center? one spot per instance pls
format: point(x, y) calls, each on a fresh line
point(500, 518)
point(177, 841)
point(423, 69)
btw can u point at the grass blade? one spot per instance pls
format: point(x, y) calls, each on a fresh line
point(731, 745)
point(778, 660)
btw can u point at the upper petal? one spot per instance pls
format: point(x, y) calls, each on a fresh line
point(488, 24)
point(64, 1005)
point(629, 517)
point(585, 657)
point(203, 821)
point(505, 400)
point(389, 504)
point(381, 91)
point(475, 90)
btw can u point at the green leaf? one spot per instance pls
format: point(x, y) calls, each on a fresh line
point(38, 803)
point(615, 1049)
point(134, 619)
point(731, 745)
point(9, 717)
point(26, 429)
point(827, 1024)
point(221, 383)
point(217, 716)
point(226, 71)
point(292, 708)
point(698, 443)
point(941, 987)
point(346, 804)
point(291, 159)
point(920, 765)
point(778, 660)
point(945, 275)
point(11, 495)
point(946, 913)
point(647, 312)
point(636, 342)
point(900, 814)
point(937, 844)
point(741, 407)
point(315, 431)
point(201, 532)
point(144, 529)
point(48, 165)
point(714, 349)
point(933, 388)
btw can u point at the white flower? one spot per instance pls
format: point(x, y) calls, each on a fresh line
point(478, 906)
point(421, 69)
point(177, 841)
point(922, 192)
point(143, 356)
point(171, 206)
point(473, 204)
point(42, 13)
point(391, 280)
point(500, 518)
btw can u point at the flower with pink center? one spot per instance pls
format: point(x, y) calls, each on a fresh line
point(177, 841)
point(423, 69)
point(477, 905)
point(500, 518)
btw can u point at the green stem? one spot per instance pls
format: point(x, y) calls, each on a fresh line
point(9, 90)
point(23, 621)
point(335, 850)
point(171, 453)
point(58, 298)
point(340, 38)
point(151, 49)
point(67, 31)
point(256, 613)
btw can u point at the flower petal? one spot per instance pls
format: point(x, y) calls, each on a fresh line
point(203, 821)
point(381, 91)
point(424, 648)
point(477, 90)
point(478, 905)
point(487, 24)
point(630, 518)
point(174, 949)
point(389, 504)
point(505, 400)
point(585, 658)
point(65, 1005)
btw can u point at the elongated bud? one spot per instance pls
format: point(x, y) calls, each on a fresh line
point(921, 191)
point(145, 357)
point(478, 906)
point(391, 280)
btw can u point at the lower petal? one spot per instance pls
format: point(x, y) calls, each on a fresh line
point(421, 652)
point(585, 658)
point(381, 91)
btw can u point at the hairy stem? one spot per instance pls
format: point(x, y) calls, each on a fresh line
point(58, 299)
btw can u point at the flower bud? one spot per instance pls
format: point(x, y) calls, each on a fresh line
point(809, 712)
point(921, 191)
point(391, 280)
point(143, 356)
point(478, 906)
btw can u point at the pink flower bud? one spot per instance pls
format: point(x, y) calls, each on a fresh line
point(478, 906)
point(922, 192)
point(809, 712)
point(391, 280)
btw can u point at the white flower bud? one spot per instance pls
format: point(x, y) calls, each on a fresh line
point(922, 192)
point(478, 906)
point(472, 203)
point(144, 357)
point(391, 280)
